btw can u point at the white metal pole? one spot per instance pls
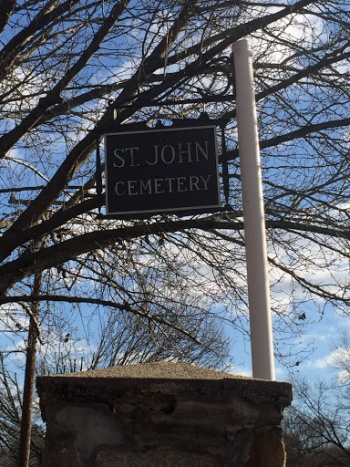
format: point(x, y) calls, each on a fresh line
point(254, 217)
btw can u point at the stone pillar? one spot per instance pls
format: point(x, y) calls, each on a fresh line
point(162, 414)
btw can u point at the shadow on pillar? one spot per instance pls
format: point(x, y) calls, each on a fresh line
point(162, 414)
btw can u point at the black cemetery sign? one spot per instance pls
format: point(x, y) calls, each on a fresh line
point(167, 170)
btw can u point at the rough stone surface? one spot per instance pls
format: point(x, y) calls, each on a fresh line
point(162, 414)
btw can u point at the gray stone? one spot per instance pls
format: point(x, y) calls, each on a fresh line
point(162, 414)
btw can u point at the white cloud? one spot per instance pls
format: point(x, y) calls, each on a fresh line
point(332, 360)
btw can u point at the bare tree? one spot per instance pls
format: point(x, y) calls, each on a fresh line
point(317, 425)
point(112, 339)
point(63, 62)
point(11, 417)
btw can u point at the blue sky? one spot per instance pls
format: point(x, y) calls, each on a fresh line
point(321, 338)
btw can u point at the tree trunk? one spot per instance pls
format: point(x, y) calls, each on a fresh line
point(29, 380)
